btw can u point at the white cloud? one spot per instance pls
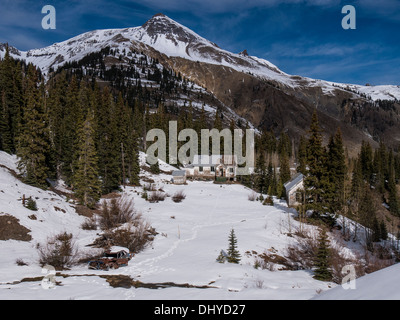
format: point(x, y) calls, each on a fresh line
point(305, 48)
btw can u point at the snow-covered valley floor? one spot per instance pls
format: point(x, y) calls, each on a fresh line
point(190, 236)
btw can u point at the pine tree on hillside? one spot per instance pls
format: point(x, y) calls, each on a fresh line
point(284, 172)
point(366, 160)
point(128, 140)
point(108, 143)
point(72, 118)
point(261, 177)
point(56, 109)
point(394, 203)
point(33, 141)
point(367, 214)
point(302, 156)
point(10, 102)
point(316, 176)
point(375, 230)
point(336, 167)
point(233, 253)
point(87, 186)
point(383, 230)
point(322, 259)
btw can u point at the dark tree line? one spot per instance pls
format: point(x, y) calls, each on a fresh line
point(67, 129)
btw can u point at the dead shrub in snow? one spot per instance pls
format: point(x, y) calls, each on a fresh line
point(116, 212)
point(179, 196)
point(59, 251)
point(149, 187)
point(89, 224)
point(301, 254)
point(123, 226)
point(156, 196)
point(135, 236)
point(20, 262)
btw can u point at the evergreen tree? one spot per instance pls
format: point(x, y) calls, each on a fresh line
point(284, 171)
point(7, 103)
point(302, 156)
point(316, 176)
point(366, 161)
point(69, 118)
point(128, 140)
point(273, 187)
point(375, 230)
point(260, 170)
point(357, 182)
point(87, 186)
point(367, 214)
point(233, 253)
point(33, 140)
point(336, 167)
point(155, 168)
point(394, 203)
point(109, 144)
point(322, 259)
point(383, 231)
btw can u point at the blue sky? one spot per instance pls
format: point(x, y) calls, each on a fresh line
point(303, 37)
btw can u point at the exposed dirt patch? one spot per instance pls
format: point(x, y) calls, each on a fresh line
point(119, 281)
point(11, 229)
point(85, 211)
point(124, 281)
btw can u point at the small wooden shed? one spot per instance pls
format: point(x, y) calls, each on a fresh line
point(293, 190)
point(179, 177)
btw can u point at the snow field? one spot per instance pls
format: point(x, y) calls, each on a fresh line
point(190, 237)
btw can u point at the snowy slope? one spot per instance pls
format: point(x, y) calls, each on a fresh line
point(54, 215)
point(190, 237)
point(380, 285)
point(175, 40)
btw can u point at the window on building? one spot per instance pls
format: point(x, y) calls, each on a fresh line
point(299, 196)
point(201, 169)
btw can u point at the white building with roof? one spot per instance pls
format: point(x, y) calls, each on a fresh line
point(294, 189)
point(212, 167)
point(179, 177)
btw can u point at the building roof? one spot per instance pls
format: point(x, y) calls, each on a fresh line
point(213, 160)
point(178, 173)
point(296, 179)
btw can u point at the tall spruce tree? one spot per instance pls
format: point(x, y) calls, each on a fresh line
point(128, 138)
point(302, 156)
point(260, 170)
point(316, 177)
point(394, 203)
point(284, 171)
point(367, 214)
point(109, 144)
point(33, 140)
point(6, 103)
point(87, 185)
point(72, 118)
point(336, 166)
point(322, 259)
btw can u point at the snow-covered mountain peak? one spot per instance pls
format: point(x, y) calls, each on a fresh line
point(160, 24)
point(177, 41)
